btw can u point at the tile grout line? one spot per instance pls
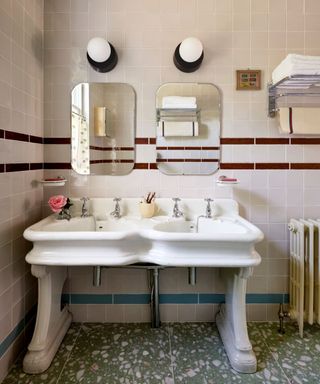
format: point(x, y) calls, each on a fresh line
point(170, 351)
point(69, 354)
point(272, 356)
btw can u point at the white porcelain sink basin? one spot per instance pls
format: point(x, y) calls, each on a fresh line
point(78, 228)
point(218, 229)
point(121, 225)
point(222, 225)
point(176, 226)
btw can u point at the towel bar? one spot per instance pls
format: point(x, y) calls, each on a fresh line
point(294, 91)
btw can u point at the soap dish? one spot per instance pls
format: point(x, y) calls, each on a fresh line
point(53, 182)
point(224, 181)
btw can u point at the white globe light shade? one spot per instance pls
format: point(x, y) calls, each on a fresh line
point(99, 49)
point(191, 49)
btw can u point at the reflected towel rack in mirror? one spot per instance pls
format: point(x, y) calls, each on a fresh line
point(178, 114)
point(294, 91)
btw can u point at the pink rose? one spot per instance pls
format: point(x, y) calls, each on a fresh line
point(56, 203)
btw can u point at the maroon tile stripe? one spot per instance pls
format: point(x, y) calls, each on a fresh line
point(9, 135)
point(145, 140)
point(305, 166)
point(18, 167)
point(176, 160)
point(305, 141)
point(141, 140)
point(236, 140)
point(17, 136)
point(141, 166)
point(272, 141)
point(57, 166)
point(109, 161)
point(236, 165)
point(36, 139)
point(57, 140)
point(272, 165)
point(177, 148)
point(35, 166)
point(95, 148)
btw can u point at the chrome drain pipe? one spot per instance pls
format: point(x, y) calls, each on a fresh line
point(97, 276)
point(192, 275)
point(155, 310)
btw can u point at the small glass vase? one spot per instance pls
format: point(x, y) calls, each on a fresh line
point(64, 214)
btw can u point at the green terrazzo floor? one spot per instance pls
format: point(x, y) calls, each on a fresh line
point(176, 353)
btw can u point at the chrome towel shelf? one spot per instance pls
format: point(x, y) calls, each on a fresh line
point(294, 91)
point(178, 114)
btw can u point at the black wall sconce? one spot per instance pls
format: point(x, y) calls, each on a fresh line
point(101, 55)
point(188, 55)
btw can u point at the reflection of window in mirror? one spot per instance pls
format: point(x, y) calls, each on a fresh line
point(80, 156)
point(188, 128)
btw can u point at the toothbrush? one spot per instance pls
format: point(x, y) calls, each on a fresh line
point(150, 197)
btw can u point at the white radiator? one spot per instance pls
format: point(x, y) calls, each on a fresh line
point(304, 271)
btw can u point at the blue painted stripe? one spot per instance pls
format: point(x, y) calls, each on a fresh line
point(211, 298)
point(84, 298)
point(6, 343)
point(251, 298)
point(171, 298)
point(140, 298)
point(179, 298)
point(268, 298)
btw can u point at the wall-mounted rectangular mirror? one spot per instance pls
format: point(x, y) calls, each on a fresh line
point(103, 119)
point(188, 128)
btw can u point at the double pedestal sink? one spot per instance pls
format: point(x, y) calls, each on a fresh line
point(226, 241)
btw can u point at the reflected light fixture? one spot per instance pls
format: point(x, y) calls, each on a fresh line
point(101, 55)
point(188, 55)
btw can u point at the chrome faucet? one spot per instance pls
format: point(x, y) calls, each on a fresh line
point(208, 214)
point(176, 211)
point(84, 209)
point(117, 212)
point(208, 208)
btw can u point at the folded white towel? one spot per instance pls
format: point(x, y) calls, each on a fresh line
point(179, 102)
point(178, 128)
point(296, 65)
point(299, 120)
point(295, 58)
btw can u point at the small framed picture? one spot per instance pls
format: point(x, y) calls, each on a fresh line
point(248, 80)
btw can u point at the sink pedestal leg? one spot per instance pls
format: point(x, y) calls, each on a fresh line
point(52, 323)
point(232, 324)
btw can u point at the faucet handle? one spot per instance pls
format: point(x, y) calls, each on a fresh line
point(208, 208)
point(176, 199)
point(117, 199)
point(85, 210)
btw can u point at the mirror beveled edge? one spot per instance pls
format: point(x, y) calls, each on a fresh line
point(111, 153)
